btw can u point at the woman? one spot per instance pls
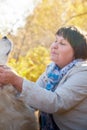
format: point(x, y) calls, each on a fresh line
point(61, 91)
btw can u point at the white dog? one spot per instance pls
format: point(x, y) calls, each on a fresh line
point(14, 114)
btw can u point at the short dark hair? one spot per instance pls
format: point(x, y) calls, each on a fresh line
point(77, 40)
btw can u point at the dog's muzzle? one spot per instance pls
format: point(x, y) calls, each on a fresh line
point(4, 37)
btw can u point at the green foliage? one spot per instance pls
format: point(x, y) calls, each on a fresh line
point(33, 64)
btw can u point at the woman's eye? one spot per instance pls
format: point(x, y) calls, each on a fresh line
point(55, 40)
point(62, 43)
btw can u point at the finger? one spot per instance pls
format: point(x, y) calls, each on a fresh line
point(1, 85)
point(1, 69)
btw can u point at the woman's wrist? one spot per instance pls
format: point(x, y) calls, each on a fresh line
point(17, 82)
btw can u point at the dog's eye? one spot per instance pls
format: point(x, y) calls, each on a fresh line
point(8, 53)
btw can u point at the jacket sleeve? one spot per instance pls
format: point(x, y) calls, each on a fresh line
point(36, 96)
point(67, 95)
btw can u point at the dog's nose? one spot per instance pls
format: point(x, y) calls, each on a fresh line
point(4, 37)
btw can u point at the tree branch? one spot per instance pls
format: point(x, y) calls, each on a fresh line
point(72, 17)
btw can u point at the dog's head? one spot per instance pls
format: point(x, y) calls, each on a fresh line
point(5, 49)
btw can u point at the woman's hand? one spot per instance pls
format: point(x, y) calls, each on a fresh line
point(7, 76)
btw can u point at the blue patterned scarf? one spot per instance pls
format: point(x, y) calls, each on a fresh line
point(54, 74)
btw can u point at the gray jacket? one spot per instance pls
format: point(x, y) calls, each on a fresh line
point(68, 103)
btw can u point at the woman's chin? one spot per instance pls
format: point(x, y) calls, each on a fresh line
point(52, 59)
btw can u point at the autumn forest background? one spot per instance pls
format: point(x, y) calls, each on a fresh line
point(30, 53)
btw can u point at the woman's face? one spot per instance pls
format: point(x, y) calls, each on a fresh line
point(61, 52)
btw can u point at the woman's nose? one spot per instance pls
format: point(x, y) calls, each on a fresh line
point(54, 45)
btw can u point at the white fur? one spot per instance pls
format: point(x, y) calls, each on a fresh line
point(14, 114)
point(5, 49)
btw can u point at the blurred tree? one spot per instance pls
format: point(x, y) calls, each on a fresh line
point(75, 14)
point(40, 29)
point(47, 17)
point(33, 64)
